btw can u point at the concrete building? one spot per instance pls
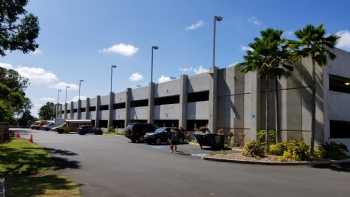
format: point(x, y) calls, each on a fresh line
point(225, 98)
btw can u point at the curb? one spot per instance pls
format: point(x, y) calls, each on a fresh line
point(299, 163)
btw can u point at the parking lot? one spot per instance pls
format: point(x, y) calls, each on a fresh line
point(112, 166)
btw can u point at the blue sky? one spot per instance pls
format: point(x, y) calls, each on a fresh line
point(80, 39)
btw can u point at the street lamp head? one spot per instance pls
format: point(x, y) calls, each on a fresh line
point(155, 47)
point(81, 80)
point(219, 18)
point(114, 66)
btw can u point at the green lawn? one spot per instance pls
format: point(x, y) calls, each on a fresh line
point(29, 170)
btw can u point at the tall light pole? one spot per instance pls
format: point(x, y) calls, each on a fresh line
point(58, 102)
point(65, 100)
point(80, 81)
point(153, 48)
point(113, 66)
point(216, 18)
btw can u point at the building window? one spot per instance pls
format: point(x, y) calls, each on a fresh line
point(166, 123)
point(118, 105)
point(104, 107)
point(198, 96)
point(167, 100)
point(139, 103)
point(339, 84)
point(92, 108)
point(103, 123)
point(68, 111)
point(75, 110)
point(339, 129)
point(82, 109)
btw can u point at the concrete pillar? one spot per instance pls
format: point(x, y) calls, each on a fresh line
point(127, 106)
point(98, 112)
point(79, 109)
point(110, 108)
point(87, 110)
point(213, 100)
point(150, 102)
point(71, 110)
point(183, 101)
point(65, 110)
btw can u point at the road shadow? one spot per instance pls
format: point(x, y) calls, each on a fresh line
point(343, 167)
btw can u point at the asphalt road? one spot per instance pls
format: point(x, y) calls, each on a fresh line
point(111, 166)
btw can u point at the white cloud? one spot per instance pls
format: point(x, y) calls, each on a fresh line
point(37, 52)
point(195, 25)
point(255, 21)
point(121, 49)
point(163, 79)
point(200, 70)
point(134, 77)
point(186, 70)
point(5, 65)
point(76, 98)
point(47, 99)
point(40, 77)
point(246, 48)
point(344, 40)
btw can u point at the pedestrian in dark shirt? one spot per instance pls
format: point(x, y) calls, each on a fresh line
point(173, 140)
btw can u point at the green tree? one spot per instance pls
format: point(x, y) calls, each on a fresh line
point(47, 111)
point(12, 95)
point(18, 28)
point(26, 119)
point(315, 44)
point(272, 58)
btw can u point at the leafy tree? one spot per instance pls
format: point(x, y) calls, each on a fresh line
point(12, 95)
point(47, 111)
point(18, 28)
point(26, 119)
point(272, 58)
point(315, 44)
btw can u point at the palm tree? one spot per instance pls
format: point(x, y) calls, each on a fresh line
point(271, 56)
point(315, 44)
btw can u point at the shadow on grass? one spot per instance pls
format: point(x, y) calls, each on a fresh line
point(40, 185)
point(344, 167)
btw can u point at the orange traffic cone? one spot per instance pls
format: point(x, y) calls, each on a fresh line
point(31, 138)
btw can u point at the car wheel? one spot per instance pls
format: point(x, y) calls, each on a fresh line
point(158, 141)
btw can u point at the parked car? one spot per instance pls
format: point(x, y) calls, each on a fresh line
point(38, 124)
point(72, 126)
point(161, 136)
point(89, 129)
point(48, 126)
point(136, 131)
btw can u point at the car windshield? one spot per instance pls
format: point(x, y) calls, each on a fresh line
point(160, 130)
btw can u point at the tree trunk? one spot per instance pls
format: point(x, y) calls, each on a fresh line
point(313, 109)
point(266, 118)
point(277, 110)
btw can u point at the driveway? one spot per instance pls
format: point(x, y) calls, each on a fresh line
point(111, 166)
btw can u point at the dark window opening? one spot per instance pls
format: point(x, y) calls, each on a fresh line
point(339, 129)
point(103, 123)
point(68, 111)
point(93, 122)
point(104, 107)
point(166, 123)
point(167, 100)
point(62, 112)
point(339, 84)
point(82, 109)
point(75, 110)
point(193, 125)
point(138, 121)
point(118, 124)
point(139, 103)
point(118, 105)
point(198, 96)
point(92, 108)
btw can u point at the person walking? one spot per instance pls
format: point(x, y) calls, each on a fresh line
point(173, 137)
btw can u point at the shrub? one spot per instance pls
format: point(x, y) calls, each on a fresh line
point(278, 149)
point(253, 149)
point(110, 130)
point(332, 150)
point(296, 150)
point(271, 136)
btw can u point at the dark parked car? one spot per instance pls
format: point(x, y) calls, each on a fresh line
point(162, 134)
point(136, 131)
point(89, 129)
